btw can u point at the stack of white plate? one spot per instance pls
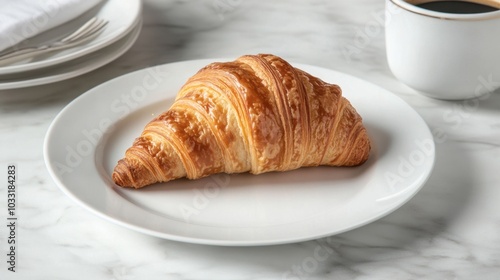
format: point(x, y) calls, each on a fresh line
point(124, 24)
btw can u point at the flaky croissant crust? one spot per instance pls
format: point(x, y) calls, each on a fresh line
point(255, 114)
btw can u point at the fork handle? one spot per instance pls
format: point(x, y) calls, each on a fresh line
point(21, 54)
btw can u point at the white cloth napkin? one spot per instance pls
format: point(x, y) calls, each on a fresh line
point(22, 19)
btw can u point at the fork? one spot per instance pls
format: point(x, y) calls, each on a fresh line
point(85, 33)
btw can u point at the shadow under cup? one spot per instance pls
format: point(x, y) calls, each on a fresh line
point(442, 55)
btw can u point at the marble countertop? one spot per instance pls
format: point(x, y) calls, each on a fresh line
point(449, 230)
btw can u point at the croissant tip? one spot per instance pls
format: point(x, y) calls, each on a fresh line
point(117, 179)
point(121, 175)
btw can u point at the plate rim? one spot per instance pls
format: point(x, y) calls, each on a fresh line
point(214, 241)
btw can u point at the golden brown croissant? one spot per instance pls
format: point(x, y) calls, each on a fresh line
point(255, 114)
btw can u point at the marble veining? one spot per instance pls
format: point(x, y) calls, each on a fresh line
point(449, 230)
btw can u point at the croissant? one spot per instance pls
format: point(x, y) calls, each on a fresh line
point(255, 114)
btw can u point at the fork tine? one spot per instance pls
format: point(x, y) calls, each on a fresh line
point(91, 30)
point(80, 30)
point(96, 27)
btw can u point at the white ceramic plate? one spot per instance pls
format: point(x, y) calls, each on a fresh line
point(122, 17)
point(71, 68)
point(81, 149)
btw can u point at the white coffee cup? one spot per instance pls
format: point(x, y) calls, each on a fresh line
point(443, 55)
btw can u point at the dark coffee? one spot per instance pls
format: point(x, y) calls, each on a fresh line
point(457, 7)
